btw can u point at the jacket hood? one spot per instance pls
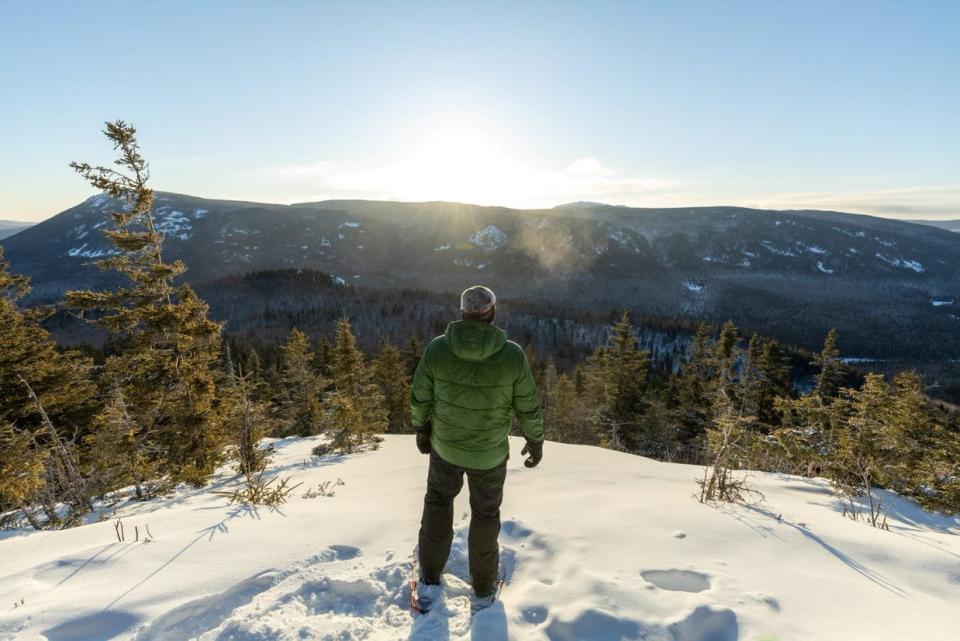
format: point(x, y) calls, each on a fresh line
point(473, 340)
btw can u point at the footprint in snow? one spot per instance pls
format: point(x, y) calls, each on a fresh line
point(677, 580)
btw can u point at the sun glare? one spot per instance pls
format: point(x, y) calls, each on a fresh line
point(458, 163)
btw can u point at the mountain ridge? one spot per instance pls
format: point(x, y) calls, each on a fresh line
point(791, 274)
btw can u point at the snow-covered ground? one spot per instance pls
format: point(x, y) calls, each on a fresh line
point(596, 545)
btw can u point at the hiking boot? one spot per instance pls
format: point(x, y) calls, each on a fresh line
point(479, 603)
point(428, 595)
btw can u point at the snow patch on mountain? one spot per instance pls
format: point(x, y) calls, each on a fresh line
point(773, 249)
point(83, 251)
point(915, 265)
point(621, 238)
point(489, 239)
point(823, 268)
point(173, 223)
point(694, 286)
point(941, 303)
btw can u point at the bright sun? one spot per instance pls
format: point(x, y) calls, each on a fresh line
point(461, 164)
point(473, 161)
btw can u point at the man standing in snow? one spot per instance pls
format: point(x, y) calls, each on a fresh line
point(468, 383)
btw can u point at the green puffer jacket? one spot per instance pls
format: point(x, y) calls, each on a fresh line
point(468, 383)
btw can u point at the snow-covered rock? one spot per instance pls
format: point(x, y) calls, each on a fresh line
point(596, 545)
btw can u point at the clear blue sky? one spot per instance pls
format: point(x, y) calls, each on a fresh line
point(846, 105)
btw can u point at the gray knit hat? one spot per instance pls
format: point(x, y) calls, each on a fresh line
point(477, 300)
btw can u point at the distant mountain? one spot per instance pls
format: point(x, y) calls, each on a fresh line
point(949, 225)
point(889, 286)
point(10, 227)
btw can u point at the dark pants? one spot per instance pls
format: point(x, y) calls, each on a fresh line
point(444, 482)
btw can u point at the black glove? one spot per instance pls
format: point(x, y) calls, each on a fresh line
point(423, 438)
point(535, 450)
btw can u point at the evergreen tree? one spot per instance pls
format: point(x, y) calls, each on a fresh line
point(355, 410)
point(723, 362)
point(615, 388)
point(390, 372)
point(347, 366)
point(411, 355)
point(774, 373)
point(167, 344)
point(22, 472)
point(45, 395)
point(862, 458)
point(548, 383)
point(120, 451)
point(924, 451)
point(564, 417)
point(246, 421)
point(728, 442)
point(579, 381)
point(299, 388)
point(810, 427)
point(765, 375)
point(751, 379)
point(29, 356)
point(830, 366)
point(537, 366)
point(692, 398)
point(629, 370)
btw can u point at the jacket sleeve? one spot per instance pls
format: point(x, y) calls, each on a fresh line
point(526, 402)
point(421, 390)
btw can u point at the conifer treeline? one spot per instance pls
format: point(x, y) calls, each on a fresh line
point(740, 405)
point(171, 401)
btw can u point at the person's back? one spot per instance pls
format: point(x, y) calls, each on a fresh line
point(467, 385)
point(478, 378)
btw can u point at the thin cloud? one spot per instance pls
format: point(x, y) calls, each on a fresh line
point(492, 180)
point(933, 202)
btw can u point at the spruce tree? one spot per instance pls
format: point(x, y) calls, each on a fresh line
point(924, 450)
point(120, 452)
point(830, 366)
point(548, 383)
point(28, 354)
point(246, 421)
point(862, 457)
point(751, 379)
point(564, 417)
point(629, 371)
point(355, 410)
point(22, 473)
point(46, 402)
point(693, 398)
point(411, 355)
point(390, 372)
point(300, 388)
point(774, 370)
point(615, 378)
point(723, 361)
point(810, 426)
point(765, 375)
point(167, 344)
